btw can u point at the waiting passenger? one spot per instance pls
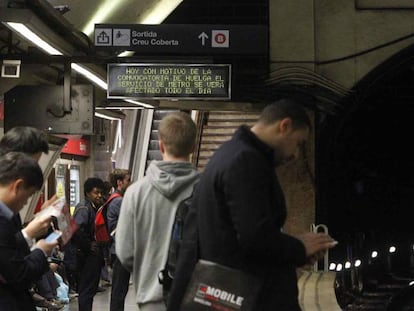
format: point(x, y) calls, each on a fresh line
point(120, 180)
point(20, 177)
point(149, 206)
point(241, 210)
point(88, 254)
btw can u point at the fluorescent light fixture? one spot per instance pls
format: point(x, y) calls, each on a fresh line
point(104, 116)
point(27, 25)
point(34, 38)
point(89, 75)
point(139, 103)
point(30, 27)
point(159, 11)
point(118, 138)
point(126, 54)
point(153, 15)
point(104, 10)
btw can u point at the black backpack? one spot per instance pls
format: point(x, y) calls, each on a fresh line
point(166, 276)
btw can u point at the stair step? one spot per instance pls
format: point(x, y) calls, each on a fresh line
point(218, 130)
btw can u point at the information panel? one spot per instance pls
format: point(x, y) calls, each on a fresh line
point(168, 81)
point(184, 39)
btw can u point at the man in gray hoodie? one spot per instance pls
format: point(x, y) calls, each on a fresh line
point(149, 206)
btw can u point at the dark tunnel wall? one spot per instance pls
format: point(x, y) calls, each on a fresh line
point(366, 176)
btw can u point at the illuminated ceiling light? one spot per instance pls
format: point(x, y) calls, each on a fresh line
point(89, 75)
point(411, 283)
point(347, 265)
point(332, 266)
point(374, 254)
point(118, 138)
point(104, 10)
point(34, 38)
point(155, 15)
point(28, 26)
point(159, 12)
point(339, 267)
point(357, 263)
point(139, 103)
point(126, 54)
point(392, 249)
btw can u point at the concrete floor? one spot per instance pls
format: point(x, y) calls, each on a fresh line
point(101, 301)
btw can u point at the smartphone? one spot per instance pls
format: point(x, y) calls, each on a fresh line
point(53, 236)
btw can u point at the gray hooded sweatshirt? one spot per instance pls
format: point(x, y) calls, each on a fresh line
point(145, 222)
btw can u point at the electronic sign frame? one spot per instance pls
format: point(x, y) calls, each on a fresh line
point(169, 81)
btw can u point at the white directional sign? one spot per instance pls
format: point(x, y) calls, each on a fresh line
point(184, 39)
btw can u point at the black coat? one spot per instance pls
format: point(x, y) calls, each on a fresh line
point(19, 267)
point(240, 213)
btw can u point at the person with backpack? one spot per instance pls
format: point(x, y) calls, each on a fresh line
point(149, 207)
point(120, 180)
point(87, 251)
point(239, 210)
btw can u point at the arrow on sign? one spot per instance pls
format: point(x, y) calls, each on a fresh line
point(203, 36)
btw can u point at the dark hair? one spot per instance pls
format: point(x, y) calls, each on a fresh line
point(92, 182)
point(24, 139)
point(18, 165)
point(178, 132)
point(117, 174)
point(286, 108)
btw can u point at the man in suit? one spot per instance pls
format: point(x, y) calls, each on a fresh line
point(20, 177)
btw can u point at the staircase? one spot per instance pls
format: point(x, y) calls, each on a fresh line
point(219, 127)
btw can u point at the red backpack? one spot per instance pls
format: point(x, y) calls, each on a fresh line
point(102, 234)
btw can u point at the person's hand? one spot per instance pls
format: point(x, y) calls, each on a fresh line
point(49, 202)
point(316, 244)
point(316, 257)
point(53, 266)
point(38, 226)
point(47, 247)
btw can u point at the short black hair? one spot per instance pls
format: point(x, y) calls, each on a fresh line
point(25, 139)
point(93, 182)
point(18, 165)
point(286, 108)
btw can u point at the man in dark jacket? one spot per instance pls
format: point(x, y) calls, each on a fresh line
point(241, 208)
point(120, 180)
point(20, 177)
point(89, 255)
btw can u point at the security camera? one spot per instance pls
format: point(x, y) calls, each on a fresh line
point(10, 68)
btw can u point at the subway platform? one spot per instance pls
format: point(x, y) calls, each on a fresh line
point(101, 301)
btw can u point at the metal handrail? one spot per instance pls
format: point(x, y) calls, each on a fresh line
point(316, 228)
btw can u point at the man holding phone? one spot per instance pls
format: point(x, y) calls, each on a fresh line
point(20, 177)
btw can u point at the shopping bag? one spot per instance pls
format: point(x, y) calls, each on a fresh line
point(217, 287)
